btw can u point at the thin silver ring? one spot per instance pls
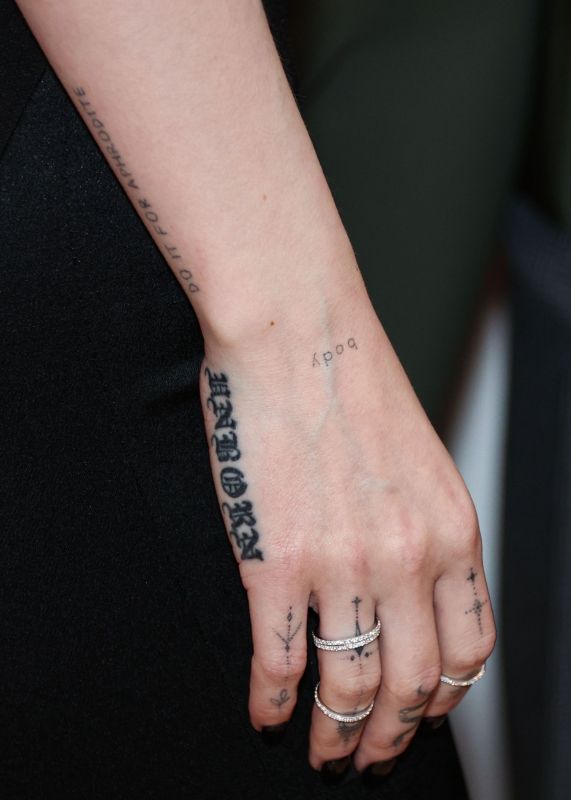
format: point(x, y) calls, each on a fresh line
point(357, 716)
point(469, 682)
point(349, 644)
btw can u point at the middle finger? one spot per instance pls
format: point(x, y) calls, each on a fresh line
point(349, 679)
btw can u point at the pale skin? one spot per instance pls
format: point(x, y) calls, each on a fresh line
point(347, 501)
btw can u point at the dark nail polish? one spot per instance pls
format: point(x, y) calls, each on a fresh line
point(333, 772)
point(375, 773)
point(273, 734)
point(435, 722)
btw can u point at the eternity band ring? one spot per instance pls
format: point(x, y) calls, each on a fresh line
point(469, 682)
point(356, 716)
point(349, 644)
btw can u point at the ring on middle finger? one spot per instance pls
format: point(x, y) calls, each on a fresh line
point(355, 716)
point(352, 642)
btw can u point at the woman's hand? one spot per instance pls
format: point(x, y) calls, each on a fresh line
point(335, 490)
point(337, 494)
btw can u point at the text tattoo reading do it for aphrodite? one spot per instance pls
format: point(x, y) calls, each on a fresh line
point(146, 208)
point(225, 443)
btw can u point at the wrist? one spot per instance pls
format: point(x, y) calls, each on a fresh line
point(291, 300)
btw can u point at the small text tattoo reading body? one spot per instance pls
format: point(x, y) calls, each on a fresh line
point(325, 359)
point(170, 251)
point(225, 443)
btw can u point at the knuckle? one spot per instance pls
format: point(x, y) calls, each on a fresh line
point(483, 649)
point(410, 546)
point(411, 690)
point(472, 659)
point(347, 560)
point(276, 671)
point(466, 526)
point(350, 690)
point(391, 741)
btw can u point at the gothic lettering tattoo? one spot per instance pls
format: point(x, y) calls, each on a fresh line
point(328, 355)
point(478, 604)
point(128, 179)
point(225, 443)
point(233, 482)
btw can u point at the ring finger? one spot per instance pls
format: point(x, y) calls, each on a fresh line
point(411, 670)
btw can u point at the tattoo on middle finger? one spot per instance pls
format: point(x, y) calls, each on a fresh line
point(348, 730)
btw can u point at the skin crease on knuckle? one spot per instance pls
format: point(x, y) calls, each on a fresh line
point(276, 670)
point(347, 695)
point(407, 691)
point(471, 659)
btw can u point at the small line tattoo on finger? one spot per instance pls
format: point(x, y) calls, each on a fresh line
point(281, 699)
point(289, 635)
point(477, 604)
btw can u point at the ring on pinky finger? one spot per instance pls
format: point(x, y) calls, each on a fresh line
point(464, 682)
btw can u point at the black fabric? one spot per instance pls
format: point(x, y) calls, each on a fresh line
point(124, 628)
point(537, 547)
point(21, 65)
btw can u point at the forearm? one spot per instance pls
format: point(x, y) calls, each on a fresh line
point(189, 103)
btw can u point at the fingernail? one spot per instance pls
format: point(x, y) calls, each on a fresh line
point(333, 772)
point(374, 774)
point(435, 722)
point(273, 734)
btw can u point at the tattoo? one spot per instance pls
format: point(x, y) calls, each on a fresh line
point(241, 513)
point(478, 604)
point(289, 635)
point(359, 650)
point(282, 698)
point(327, 356)
point(233, 482)
point(147, 211)
point(286, 638)
point(408, 715)
point(411, 716)
point(348, 730)
point(398, 740)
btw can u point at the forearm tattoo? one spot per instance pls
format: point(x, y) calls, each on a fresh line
point(149, 214)
point(328, 356)
point(224, 440)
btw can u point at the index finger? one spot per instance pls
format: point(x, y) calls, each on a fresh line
point(279, 623)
